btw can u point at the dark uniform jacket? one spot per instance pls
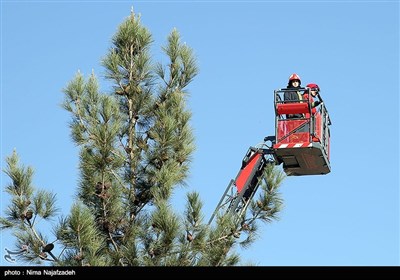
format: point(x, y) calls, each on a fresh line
point(293, 96)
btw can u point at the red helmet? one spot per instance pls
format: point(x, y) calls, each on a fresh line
point(294, 77)
point(313, 86)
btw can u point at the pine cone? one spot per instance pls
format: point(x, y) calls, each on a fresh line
point(104, 195)
point(119, 92)
point(78, 257)
point(99, 188)
point(151, 253)
point(127, 89)
point(48, 248)
point(29, 214)
point(266, 208)
point(189, 237)
point(123, 91)
point(109, 159)
point(245, 226)
point(136, 202)
point(106, 225)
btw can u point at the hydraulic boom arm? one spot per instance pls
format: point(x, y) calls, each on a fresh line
point(241, 190)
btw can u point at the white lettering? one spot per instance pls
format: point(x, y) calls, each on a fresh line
point(58, 272)
point(12, 272)
point(33, 272)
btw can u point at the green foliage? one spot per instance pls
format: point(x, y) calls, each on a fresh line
point(20, 176)
point(136, 145)
point(81, 238)
point(27, 205)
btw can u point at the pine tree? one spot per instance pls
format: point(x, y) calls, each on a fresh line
point(136, 146)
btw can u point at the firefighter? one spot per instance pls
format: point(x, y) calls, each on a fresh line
point(311, 94)
point(295, 95)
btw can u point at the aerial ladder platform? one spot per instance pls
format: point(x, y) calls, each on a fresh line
point(301, 145)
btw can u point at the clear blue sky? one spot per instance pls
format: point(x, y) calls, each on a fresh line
point(245, 50)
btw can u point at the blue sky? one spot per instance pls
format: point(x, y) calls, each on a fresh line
point(245, 50)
